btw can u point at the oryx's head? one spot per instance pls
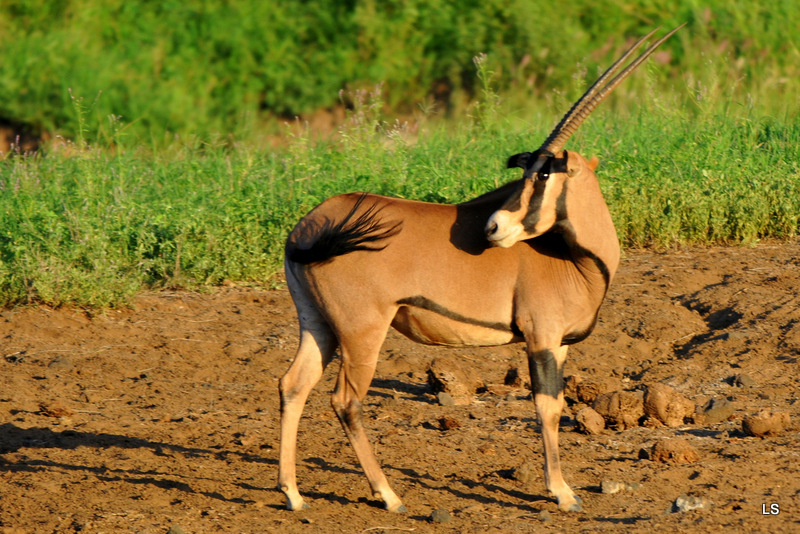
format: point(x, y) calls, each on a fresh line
point(537, 203)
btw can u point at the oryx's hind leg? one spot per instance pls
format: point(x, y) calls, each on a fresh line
point(359, 356)
point(317, 345)
point(546, 367)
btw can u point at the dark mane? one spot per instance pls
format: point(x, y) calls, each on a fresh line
point(352, 233)
point(495, 197)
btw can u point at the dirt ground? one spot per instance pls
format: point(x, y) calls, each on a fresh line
point(166, 416)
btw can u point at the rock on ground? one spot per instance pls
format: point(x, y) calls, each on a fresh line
point(664, 404)
point(687, 503)
point(55, 409)
point(440, 515)
point(458, 380)
point(589, 421)
point(765, 423)
point(714, 411)
point(527, 473)
point(620, 409)
point(586, 390)
point(610, 487)
point(674, 450)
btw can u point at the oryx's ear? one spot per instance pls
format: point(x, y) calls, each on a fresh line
point(518, 160)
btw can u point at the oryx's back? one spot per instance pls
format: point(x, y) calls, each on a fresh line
point(359, 248)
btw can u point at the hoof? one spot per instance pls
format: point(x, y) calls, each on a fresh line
point(397, 509)
point(296, 508)
point(576, 506)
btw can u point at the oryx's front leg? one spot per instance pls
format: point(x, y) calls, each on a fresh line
point(547, 377)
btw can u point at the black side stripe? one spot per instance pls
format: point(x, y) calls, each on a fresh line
point(426, 304)
point(600, 264)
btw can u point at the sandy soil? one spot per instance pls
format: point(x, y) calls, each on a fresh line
point(166, 416)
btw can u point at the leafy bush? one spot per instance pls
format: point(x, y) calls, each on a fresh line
point(201, 68)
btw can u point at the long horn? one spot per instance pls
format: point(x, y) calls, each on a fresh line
point(596, 94)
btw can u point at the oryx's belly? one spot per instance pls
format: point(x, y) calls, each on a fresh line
point(427, 322)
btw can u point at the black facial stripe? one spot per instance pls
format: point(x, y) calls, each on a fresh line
point(515, 202)
point(550, 165)
point(561, 204)
point(426, 304)
point(543, 164)
point(534, 212)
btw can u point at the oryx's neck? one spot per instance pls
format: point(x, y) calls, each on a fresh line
point(589, 232)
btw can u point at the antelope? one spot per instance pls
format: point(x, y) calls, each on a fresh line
point(528, 262)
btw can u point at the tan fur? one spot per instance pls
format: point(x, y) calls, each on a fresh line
point(544, 289)
point(432, 273)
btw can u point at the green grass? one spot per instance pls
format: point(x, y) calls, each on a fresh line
point(92, 227)
point(165, 181)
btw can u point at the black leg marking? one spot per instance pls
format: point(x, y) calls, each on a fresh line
point(547, 376)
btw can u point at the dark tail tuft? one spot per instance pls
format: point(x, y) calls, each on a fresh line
point(352, 233)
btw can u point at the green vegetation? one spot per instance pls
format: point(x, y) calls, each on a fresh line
point(95, 227)
point(165, 182)
point(197, 68)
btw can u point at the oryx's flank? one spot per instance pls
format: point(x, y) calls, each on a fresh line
point(530, 261)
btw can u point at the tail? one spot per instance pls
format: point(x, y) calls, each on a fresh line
point(352, 233)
